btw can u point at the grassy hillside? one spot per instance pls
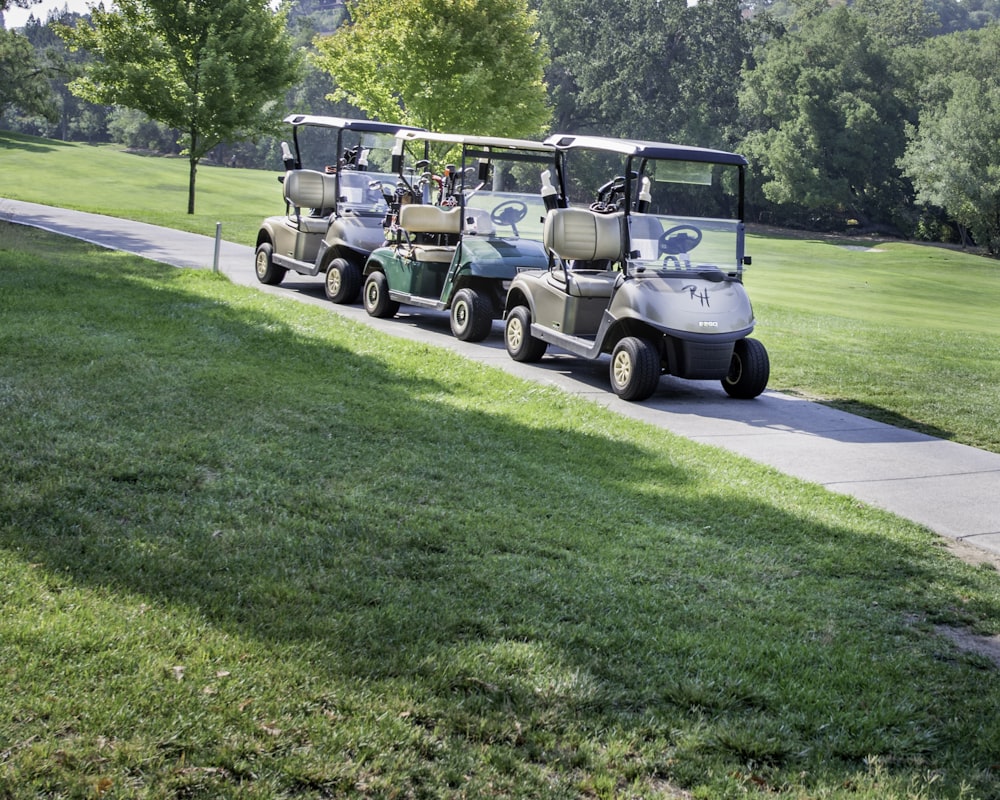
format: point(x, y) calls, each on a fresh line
point(904, 333)
point(105, 179)
point(249, 549)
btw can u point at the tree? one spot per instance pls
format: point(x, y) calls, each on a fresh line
point(471, 66)
point(213, 69)
point(647, 69)
point(5, 4)
point(826, 124)
point(953, 155)
point(898, 22)
point(24, 81)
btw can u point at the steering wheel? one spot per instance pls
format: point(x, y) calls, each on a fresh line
point(509, 212)
point(679, 239)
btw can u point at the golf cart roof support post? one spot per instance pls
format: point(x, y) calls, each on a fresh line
point(298, 153)
point(741, 201)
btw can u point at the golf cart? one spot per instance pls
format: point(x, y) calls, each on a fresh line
point(334, 206)
point(651, 271)
point(459, 234)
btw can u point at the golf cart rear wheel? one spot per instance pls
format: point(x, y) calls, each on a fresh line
point(376, 295)
point(748, 371)
point(267, 271)
point(635, 368)
point(521, 345)
point(343, 281)
point(471, 315)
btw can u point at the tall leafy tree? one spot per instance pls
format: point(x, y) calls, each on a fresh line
point(953, 155)
point(473, 66)
point(898, 22)
point(213, 69)
point(649, 69)
point(24, 78)
point(826, 123)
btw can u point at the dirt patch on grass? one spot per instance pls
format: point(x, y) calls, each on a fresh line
point(985, 646)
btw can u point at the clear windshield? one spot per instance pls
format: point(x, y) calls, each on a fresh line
point(683, 215)
point(500, 187)
point(678, 243)
point(690, 218)
point(361, 192)
point(365, 150)
point(505, 214)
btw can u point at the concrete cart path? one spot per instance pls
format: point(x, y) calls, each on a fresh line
point(950, 488)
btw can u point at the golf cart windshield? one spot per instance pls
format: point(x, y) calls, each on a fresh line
point(686, 216)
point(495, 180)
point(361, 192)
point(361, 150)
point(681, 213)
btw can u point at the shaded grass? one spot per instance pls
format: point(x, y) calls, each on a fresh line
point(251, 549)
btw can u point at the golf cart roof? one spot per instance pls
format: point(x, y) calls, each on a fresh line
point(641, 149)
point(474, 141)
point(343, 123)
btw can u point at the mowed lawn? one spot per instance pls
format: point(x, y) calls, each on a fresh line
point(251, 549)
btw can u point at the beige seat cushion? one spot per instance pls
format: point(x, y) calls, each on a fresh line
point(310, 192)
point(430, 219)
point(579, 233)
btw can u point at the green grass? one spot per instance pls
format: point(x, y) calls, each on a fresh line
point(904, 333)
point(104, 179)
point(908, 335)
point(251, 549)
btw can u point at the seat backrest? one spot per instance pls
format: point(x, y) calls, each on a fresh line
point(579, 233)
point(430, 219)
point(307, 188)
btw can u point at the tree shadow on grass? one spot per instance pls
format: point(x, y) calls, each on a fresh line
point(529, 578)
point(13, 141)
point(889, 417)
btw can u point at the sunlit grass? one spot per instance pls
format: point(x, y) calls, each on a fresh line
point(104, 179)
point(900, 332)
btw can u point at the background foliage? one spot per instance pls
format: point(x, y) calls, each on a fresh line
point(870, 115)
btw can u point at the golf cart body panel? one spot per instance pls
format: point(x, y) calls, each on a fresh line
point(463, 231)
point(654, 266)
point(335, 208)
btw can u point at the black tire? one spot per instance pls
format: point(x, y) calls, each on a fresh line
point(343, 281)
point(376, 297)
point(471, 315)
point(635, 368)
point(267, 271)
point(748, 371)
point(521, 345)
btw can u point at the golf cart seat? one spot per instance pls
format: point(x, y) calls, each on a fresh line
point(434, 223)
point(309, 189)
point(581, 235)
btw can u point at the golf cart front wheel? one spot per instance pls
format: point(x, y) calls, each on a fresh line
point(343, 281)
point(376, 295)
point(471, 315)
point(521, 345)
point(748, 371)
point(267, 271)
point(635, 368)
